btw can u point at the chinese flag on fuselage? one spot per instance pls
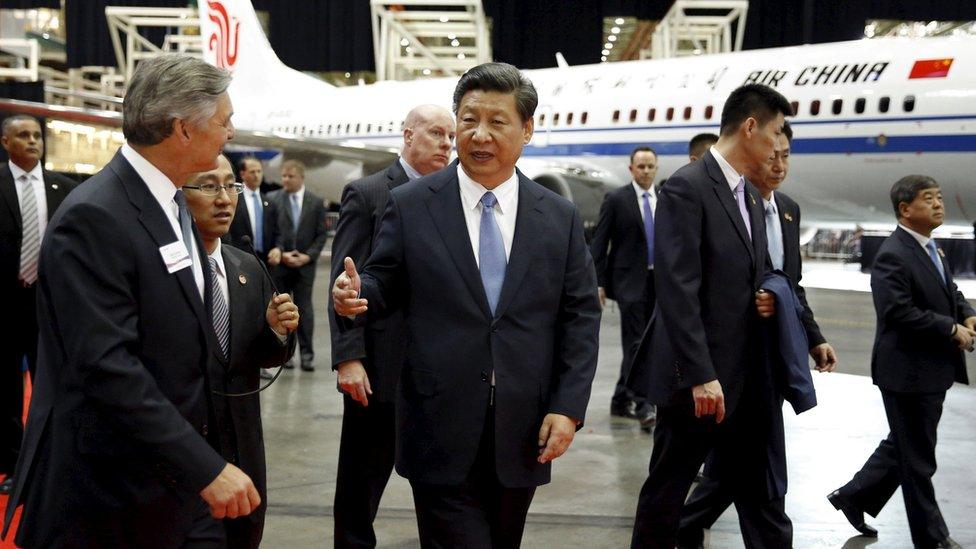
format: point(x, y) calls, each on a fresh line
point(930, 68)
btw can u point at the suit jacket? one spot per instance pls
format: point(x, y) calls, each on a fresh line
point(541, 342)
point(241, 226)
point(913, 349)
point(380, 343)
point(253, 345)
point(789, 220)
point(56, 188)
point(311, 234)
point(121, 406)
point(707, 270)
point(619, 247)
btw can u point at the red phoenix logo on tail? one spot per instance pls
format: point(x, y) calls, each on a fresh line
point(223, 42)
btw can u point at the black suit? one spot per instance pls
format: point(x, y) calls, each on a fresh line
point(914, 362)
point(241, 226)
point(707, 270)
point(619, 249)
point(21, 340)
point(116, 445)
point(308, 239)
point(253, 345)
point(459, 450)
point(710, 499)
point(367, 448)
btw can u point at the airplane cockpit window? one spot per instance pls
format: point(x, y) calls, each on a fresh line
point(708, 112)
point(687, 113)
point(670, 115)
point(883, 104)
point(583, 117)
point(569, 119)
point(838, 106)
point(795, 105)
point(815, 107)
point(909, 104)
point(616, 116)
point(633, 115)
point(651, 114)
point(859, 105)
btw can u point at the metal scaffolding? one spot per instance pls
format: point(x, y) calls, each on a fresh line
point(685, 30)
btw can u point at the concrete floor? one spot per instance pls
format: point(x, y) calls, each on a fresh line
point(591, 500)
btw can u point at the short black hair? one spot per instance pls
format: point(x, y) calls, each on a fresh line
point(788, 131)
point(702, 141)
point(752, 100)
point(499, 77)
point(7, 122)
point(643, 148)
point(907, 188)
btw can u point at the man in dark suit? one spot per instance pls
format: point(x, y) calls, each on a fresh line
point(700, 144)
point(711, 498)
point(301, 237)
point(31, 195)
point(118, 450)
point(704, 347)
point(368, 358)
point(256, 216)
point(255, 324)
point(499, 294)
point(623, 253)
point(924, 325)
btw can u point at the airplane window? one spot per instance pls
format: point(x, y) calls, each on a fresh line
point(633, 115)
point(357, 127)
point(687, 113)
point(569, 119)
point(651, 115)
point(909, 104)
point(328, 129)
point(583, 117)
point(670, 115)
point(555, 119)
point(369, 128)
point(815, 107)
point(859, 105)
point(616, 116)
point(303, 130)
point(795, 105)
point(348, 127)
point(837, 106)
point(708, 112)
point(401, 126)
point(542, 119)
point(883, 104)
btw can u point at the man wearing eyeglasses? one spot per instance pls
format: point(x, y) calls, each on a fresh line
point(253, 328)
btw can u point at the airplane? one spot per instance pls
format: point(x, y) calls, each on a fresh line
point(867, 112)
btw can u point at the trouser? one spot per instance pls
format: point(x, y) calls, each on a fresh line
point(298, 282)
point(634, 316)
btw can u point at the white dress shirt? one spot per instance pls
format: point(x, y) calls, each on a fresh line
point(248, 197)
point(923, 240)
point(640, 197)
point(35, 182)
point(505, 209)
point(164, 191)
point(731, 176)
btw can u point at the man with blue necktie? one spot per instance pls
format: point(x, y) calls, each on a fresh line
point(256, 216)
point(623, 253)
point(499, 295)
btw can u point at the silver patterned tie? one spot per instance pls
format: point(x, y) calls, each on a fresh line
point(30, 244)
point(221, 316)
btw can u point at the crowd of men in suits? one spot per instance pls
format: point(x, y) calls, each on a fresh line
point(464, 312)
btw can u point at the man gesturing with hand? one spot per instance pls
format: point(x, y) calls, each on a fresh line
point(499, 296)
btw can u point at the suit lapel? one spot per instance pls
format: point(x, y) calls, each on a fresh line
point(923, 257)
point(235, 293)
point(445, 208)
point(53, 193)
point(727, 199)
point(633, 209)
point(8, 191)
point(395, 175)
point(529, 226)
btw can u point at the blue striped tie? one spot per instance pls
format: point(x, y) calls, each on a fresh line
point(491, 252)
point(219, 312)
point(258, 221)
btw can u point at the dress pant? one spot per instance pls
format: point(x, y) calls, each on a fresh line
point(634, 316)
point(367, 452)
point(478, 514)
point(762, 523)
point(681, 444)
point(16, 343)
point(298, 282)
point(905, 458)
point(189, 526)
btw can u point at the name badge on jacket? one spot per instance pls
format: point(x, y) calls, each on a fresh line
point(175, 256)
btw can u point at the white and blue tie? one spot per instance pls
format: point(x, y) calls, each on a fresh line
point(491, 252)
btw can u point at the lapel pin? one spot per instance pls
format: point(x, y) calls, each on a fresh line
point(941, 253)
point(788, 216)
point(243, 279)
point(54, 186)
point(753, 198)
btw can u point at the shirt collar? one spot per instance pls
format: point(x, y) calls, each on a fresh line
point(16, 171)
point(472, 191)
point(300, 193)
point(411, 173)
point(640, 190)
point(248, 192)
point(732, 177)
point(219, 259)
point(159, 185)
point(770, 202)
point(922, 239)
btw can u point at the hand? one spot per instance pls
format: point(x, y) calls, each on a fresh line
point(231, 494)
point(274, 256)
point(345, 292)
point(824, 357)
point(603, 297)
point(282, 314)
point(765, 304)
point(354, 382)
point(970, 323)
point(555, 436)
point(709, 400)
point(302, 259)
point(290, 259)
point(963, 337)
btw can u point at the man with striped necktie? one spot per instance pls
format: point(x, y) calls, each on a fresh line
point(32, 195)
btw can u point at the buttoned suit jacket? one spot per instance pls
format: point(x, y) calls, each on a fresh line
point(379, 343)
point(241, 226)
point(541, 343)
point(619, 247)
point(311, 234)
point(117, 431)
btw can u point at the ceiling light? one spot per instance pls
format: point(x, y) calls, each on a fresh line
point(619, 20)
point(348, 75)
point(445, 19)
point(608, 46)
point(451, 36)
point(605, 52)
point(426, 72)
point(460, 56)
point(455, 42)
point(404, 42)
point(612, 38)
point(604, 58)
point(615, 30)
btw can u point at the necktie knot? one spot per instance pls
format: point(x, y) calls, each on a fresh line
point(488, 200)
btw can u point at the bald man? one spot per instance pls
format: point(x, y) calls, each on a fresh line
point(368, 358)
